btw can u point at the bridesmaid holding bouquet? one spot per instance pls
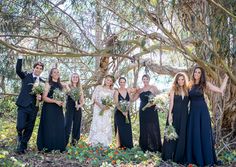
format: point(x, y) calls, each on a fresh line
point(178, 115)
point(122, 121)
point(150, 137)
point(74, 103)
point(51, 133)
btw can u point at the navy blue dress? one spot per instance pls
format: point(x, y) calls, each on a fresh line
point(51, 133)
point(124, 129)
point(175, 149)
point(200, 145)
point(150, 137)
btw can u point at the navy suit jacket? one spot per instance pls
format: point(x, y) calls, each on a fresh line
point(25, 97)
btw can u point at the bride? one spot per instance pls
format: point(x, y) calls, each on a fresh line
point(101, 127)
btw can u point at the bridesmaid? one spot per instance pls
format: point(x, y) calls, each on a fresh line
point(178, 113)
point(150, 138)
point(123, 130)
point(73, 114)
point(200, 144)
point(51, 133)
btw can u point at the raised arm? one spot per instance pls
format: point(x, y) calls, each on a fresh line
point(19, 71)
point(136, 95)
point(155, 91)
point(217, 89)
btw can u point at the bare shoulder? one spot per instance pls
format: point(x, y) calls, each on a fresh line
point(47, 86)
point(64, 85)
point(129, 90)
point(171, 93)
point(154, 89)
point(116, 91)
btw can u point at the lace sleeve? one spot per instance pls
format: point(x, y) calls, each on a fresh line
point(95, 95)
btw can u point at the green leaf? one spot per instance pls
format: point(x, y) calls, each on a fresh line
point(153, 2)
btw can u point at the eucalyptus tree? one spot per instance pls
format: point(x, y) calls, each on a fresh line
point(202, 31)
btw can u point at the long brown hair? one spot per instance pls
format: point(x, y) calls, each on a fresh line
point(176, 87)
point(202, 81)
point(112, 78)
point(50, 78)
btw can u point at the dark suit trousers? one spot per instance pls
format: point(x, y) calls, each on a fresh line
point(25, 124)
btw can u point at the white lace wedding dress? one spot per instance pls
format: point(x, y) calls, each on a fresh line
point(101, 128)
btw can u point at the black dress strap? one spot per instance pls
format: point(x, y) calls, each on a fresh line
point(121, 94)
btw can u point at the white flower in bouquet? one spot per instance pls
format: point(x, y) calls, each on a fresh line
point(37, 89)
point(75, 95)
point(170, 133)
point(152, 100)
point(58, 95)
point(124, 106)
point(108, 102)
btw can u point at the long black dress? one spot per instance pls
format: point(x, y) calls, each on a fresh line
point(150, 137)
point(72, 116)
point(200, 145)
point(124, 129)
point(175, 149)
point(51, 133)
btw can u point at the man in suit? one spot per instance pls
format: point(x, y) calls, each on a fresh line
point(27, 111)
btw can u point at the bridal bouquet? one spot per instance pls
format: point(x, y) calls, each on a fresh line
point(38, 88)
point(170, 133)
point(124, 106)
point(152, 100)
point(74, 93)
point(108, 102)
point(58, 95)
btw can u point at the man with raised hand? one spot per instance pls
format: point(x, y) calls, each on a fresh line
point(26, 102)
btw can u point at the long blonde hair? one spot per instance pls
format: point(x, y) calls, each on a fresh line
point(78, 84)
point(71, 83)
point(176, 87)
point(112, 78)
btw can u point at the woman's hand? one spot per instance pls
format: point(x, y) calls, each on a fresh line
point(104, 108)
point(59, 103)
point(125, 113)
point(39, 97)
point(77, 107)
point(170, 119)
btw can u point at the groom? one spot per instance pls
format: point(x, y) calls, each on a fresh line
point(27, 111)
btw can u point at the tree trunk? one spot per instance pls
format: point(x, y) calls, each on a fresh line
point(2, 84)
point(98, 32)
point(229, 116)
point(104, 60)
